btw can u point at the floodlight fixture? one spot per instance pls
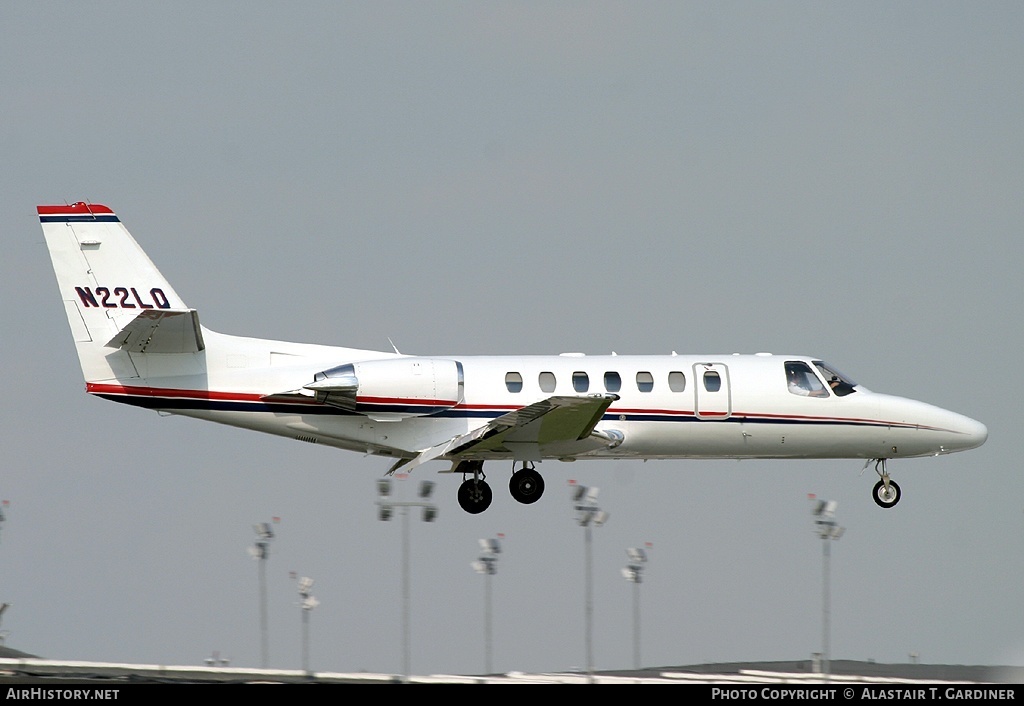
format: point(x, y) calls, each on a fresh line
point(578, 492)
point(426, 488)
point(263, 530)
point(636, 554)
point(215, 660)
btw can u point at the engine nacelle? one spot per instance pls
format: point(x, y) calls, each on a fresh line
point(390, 389)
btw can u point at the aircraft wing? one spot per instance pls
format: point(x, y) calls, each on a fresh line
point(552, 420)
point(161, 331)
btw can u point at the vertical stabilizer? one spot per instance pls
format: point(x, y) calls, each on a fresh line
point(116, 301)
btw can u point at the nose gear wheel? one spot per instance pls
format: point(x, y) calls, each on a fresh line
point(886, 492)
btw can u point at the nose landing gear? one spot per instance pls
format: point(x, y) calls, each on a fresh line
point(886, 492)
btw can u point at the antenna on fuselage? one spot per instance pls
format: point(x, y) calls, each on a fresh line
point(394, 346)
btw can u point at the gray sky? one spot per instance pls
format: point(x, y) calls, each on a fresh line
point(839, 180)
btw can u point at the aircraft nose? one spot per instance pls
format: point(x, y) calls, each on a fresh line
point(974, 433)
point(962, 432)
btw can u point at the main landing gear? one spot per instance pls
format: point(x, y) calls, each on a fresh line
point(526, 486)
point(886, 492)
point(474, 493)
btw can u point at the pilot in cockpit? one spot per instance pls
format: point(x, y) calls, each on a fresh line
point(797, 383)
point(801, 381)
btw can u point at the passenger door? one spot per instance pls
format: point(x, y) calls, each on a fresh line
point(712, 391)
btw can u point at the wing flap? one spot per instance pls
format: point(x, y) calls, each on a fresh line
point(549, 421)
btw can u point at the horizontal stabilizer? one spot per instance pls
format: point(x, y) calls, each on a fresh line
point(161, 331)
point(553, 420)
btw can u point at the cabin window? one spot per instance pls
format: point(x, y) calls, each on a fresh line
point(644, 381)
point(839, 383)
point(612, 381)
point(580, 381)
point(676, 381)
point(712, 381)
point(547, 382)
point(801, 380)
point(514, 382)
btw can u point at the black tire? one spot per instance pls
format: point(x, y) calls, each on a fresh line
point(884, 499)
point(474, 496)
point(526, 486)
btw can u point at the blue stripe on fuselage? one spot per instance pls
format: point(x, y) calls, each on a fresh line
point(170, 403)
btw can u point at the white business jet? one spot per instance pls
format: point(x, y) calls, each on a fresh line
point(138, 343)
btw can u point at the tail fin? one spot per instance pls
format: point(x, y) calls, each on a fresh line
point(116, 301)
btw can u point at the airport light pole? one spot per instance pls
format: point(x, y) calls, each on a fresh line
point(385, 510)
point(261, 552)
point(3, 633)
point(825, 526)
point(306, 605)
point(588, 515)
point(3, 606)
point(633, 572)
point(487, 565)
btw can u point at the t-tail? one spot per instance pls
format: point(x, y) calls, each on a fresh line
point(116, 301)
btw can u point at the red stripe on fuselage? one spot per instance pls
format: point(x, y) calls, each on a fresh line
point(405, 400)
point(107, 389)
point(170, 392)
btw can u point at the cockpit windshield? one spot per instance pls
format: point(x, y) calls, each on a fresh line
point(802, 381)
point(839, 383)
